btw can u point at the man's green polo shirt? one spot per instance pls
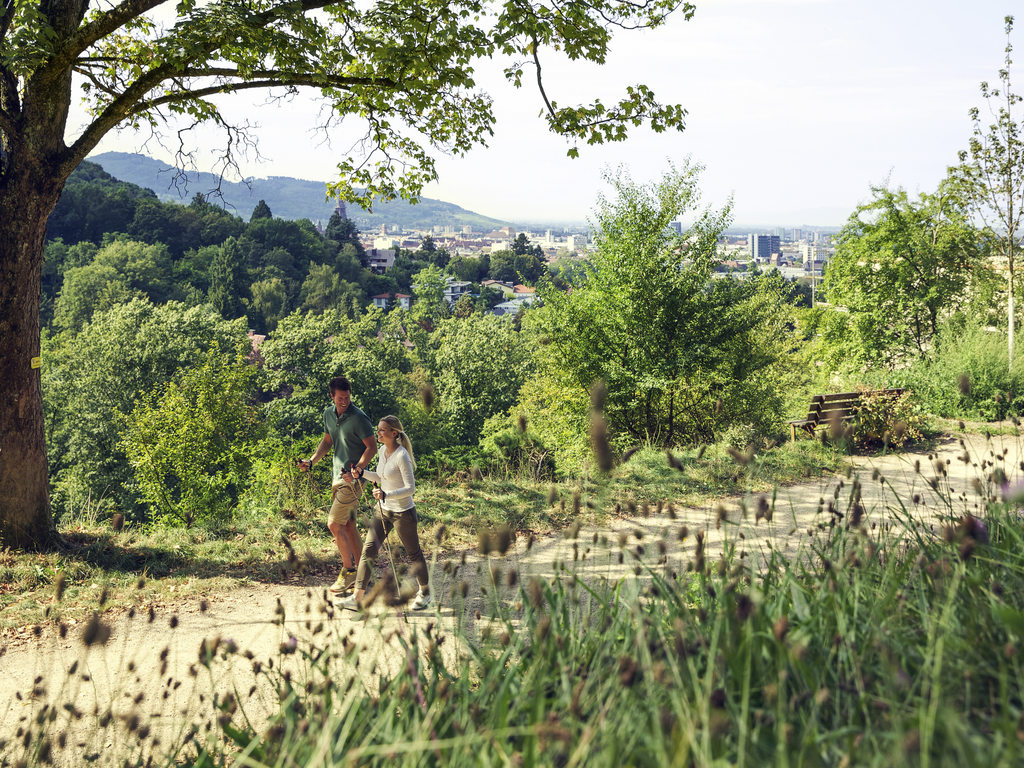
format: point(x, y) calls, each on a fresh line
point(347, 433)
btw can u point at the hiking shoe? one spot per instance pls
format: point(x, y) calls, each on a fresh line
point(421, 602)
point(349, 603)
point(350, 578)
point(339, 584)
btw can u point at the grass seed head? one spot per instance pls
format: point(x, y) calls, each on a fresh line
point(535, 593)
point(95, 632)
point(599, 442)
point(743, 459)
point(780, 628)
point(598, 395)
point(629, 671)
point(427, 397)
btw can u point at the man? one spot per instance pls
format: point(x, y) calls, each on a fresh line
point(348, 430)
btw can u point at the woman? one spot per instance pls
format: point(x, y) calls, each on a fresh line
point(395, 509)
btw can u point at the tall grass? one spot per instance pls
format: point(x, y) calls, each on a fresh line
point(880, 640)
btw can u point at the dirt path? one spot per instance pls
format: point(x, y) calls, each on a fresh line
point(150, 667)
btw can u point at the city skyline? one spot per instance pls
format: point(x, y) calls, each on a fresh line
point(795, 108)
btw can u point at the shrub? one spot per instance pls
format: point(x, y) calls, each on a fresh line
point(191, 446)
point(967, 376)
point(516, 449)
point(884, 419)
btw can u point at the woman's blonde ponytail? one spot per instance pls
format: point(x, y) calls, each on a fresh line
point(402, 438)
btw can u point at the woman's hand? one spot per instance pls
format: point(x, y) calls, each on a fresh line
point(378, 494)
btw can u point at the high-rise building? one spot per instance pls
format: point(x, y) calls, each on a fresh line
point(763, 246)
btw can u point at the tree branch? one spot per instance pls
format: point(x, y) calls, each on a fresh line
point(540, 83)
point(285, 77)
point(199, 93)
point(120, 15)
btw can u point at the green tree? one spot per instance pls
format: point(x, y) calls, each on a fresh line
point(431, 254)
point(509, 266)
point(93, 203)
point(407, 70)
point(121, 270)
point(261, 211)
point(682, 354)
point(92, 382)
point(87, 290)
point(307, 350)
point(428, 290)
point(992, 172)
point(901, 267)
point(479, 364)
point(521, 247)
point(468, 268)
point(268, 303)
point(191, 443)
point(227, 279)
point(323, 289)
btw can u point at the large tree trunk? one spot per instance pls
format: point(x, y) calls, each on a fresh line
point(34, 164)
point(25, 520)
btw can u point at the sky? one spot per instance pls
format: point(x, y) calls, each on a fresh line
point(795, 109)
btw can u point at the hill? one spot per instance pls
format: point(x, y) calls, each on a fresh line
point(288, 198)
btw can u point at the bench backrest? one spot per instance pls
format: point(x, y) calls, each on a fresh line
point(842, 404)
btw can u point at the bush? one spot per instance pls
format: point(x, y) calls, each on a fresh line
point(277, 484)
point(516, 449)
point(191, 447)
point(883, 419)
point(461, 458)
point(967, 376)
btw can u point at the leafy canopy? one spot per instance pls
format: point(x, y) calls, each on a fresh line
point(648, 319)
point(901, 267)
point(405, 68)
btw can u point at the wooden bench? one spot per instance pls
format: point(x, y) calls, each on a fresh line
point(835, 408)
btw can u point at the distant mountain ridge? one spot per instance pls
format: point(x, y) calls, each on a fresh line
point(288, 198)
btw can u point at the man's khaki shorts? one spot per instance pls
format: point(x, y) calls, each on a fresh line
point(344, 500)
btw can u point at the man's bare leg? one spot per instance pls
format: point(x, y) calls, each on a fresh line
point(340, 541)
point(350, 533)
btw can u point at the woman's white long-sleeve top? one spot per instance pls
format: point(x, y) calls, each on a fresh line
point(394, 474)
